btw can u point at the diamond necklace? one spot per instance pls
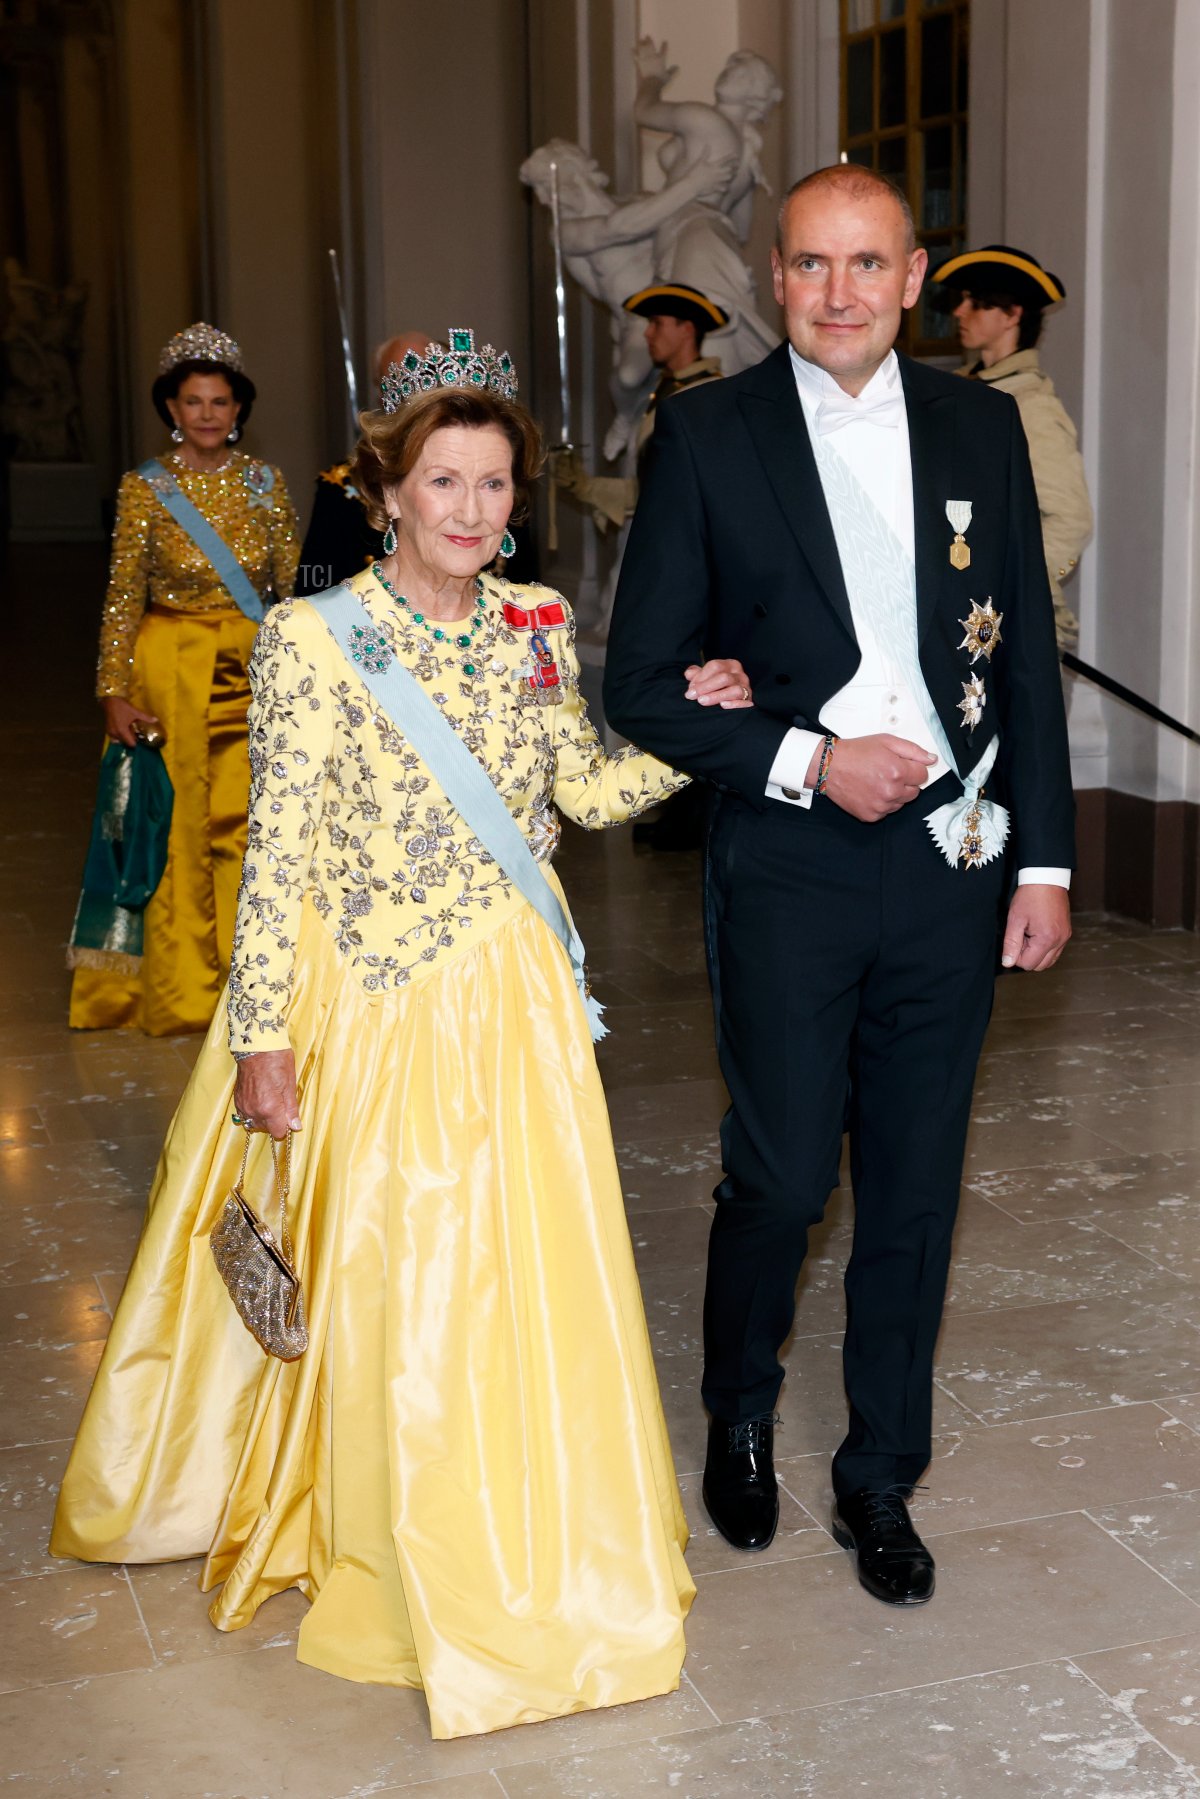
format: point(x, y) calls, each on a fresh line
point(452, 639)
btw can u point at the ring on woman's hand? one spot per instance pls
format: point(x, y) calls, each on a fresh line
point(238, 1119)
point(745, 693)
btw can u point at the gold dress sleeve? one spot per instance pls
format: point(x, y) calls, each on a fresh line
point(128, 588)
point(591, 786)
point(285, 541)
point(291, 737)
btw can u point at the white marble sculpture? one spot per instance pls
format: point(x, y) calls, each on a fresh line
point(691, 231)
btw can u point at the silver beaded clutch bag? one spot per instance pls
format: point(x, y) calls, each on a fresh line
point(258, 1267)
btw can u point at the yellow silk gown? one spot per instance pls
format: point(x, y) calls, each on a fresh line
point(468, 1471)
point(174, 642)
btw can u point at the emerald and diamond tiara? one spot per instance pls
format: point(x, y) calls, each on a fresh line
point(461, 365)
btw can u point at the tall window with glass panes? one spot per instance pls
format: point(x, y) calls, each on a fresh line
point(904, 112)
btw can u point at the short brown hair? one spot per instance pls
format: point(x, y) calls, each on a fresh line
point(860, 184)
point(391, 443)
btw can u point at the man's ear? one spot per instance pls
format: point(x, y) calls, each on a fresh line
point(918, 263)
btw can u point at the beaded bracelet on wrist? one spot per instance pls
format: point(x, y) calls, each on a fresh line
point(826, 760)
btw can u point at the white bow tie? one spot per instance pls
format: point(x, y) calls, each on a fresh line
point(838, 409)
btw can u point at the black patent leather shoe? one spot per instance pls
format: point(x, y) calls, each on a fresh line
point(739, 1489)
point(892, 1561)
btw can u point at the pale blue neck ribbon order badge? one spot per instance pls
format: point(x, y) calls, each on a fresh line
point(464, 781)
point(208, 541)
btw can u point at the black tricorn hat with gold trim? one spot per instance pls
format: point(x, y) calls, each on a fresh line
point(999, 271)
point(672, 300)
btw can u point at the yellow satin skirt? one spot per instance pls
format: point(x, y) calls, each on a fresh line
point(189, 669)
point(468, 1471)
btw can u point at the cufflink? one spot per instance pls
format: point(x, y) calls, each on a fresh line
point(789, 793)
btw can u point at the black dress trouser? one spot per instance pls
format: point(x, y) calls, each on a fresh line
point(842, 953)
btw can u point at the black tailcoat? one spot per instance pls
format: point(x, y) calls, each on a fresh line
point(843, 954)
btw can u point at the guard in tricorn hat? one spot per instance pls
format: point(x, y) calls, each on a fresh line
point(677, 320)
point(999, 297)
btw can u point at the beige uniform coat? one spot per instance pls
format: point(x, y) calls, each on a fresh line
point(1057, 472)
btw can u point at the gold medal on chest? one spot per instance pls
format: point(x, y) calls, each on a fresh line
point(959, 514)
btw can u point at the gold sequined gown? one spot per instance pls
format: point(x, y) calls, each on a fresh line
point(468, 1471)
point(174, 642)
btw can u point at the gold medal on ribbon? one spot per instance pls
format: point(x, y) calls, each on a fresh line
point(959, 514)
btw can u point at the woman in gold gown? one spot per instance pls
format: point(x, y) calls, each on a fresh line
point(174, 651)
point(467, 1472)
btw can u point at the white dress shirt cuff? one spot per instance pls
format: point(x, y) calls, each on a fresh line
point(790, 768)
point(1044, 877)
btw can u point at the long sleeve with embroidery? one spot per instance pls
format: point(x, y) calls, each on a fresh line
point(290, 725)
point(593, 787)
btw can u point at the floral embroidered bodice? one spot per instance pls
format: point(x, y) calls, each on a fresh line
point(345, 817)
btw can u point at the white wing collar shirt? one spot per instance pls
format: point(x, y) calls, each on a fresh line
point(870, 433)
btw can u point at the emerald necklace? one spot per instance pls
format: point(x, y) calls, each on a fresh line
point(456, 639)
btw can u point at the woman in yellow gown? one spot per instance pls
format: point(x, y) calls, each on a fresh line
point(467, 1472)
point(174, 650)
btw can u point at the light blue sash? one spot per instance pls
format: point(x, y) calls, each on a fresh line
point(210, 543)
point(464, 781)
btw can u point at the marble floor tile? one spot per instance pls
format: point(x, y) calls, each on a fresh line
point(1062, 1071)
point(68, 1625)
point(29, 1481)
point(1064, 1030)
point(1076, 1189)
point(1006, 1596)
point(1082, 1462)
point(1157, 1686)
point(109, 1070)
point(42, 1392)
point(175, 1614)
point(52, 1313)
point(1069, 990)
point(66, 1238)
point(669, 1109)
point(22, 1127)
point(1164, 1229)
point(1163, 1530)
point(1167, 1117)
point(262, 1725)
point(1179, 978)
point(670, 1239)
point(1041, 1361)
point(998, 1262)
point(988, 1737)
point(660, 1043)
point(669, 1170)
point(142, 1115)
point(1020, 1136)
point(73, 1171)
point(674, 1302)
point(1185, 1407)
